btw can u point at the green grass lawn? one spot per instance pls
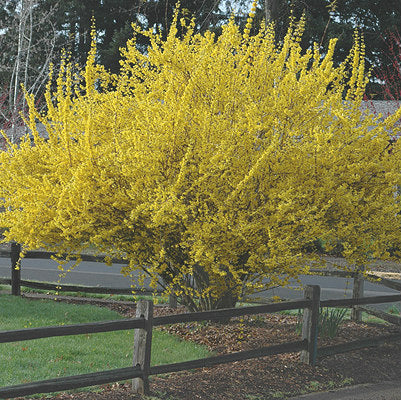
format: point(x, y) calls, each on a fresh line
point(47, 358)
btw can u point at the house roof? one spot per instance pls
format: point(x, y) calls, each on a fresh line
point(384, 107)
point(22, 130)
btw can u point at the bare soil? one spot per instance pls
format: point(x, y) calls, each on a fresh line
point(280, 376)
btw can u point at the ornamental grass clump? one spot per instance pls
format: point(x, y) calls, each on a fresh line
point(209, 162)
point(330, 320)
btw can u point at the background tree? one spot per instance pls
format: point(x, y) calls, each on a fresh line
point(69, 23)
point(27, 41)
point(113, 23)
point(389, 74)
point(327, 19)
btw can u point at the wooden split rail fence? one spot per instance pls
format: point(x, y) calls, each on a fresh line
point(144, 324)
point(16, 282)
point(359, 279)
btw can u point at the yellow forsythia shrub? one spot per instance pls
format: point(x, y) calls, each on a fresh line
point(210, 162)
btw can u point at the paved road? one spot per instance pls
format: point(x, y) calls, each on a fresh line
point(331, 288)
point(87, 273)
point(98, 274)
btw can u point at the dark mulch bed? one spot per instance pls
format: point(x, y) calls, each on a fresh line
point(279, 376)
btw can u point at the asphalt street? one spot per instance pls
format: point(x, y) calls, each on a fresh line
point(98, 274)
point(86, 273)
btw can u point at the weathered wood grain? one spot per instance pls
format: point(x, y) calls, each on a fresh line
point(143, 346)
point(310, 325)
point(85, 289)
point(386, 282)
point(228, 358)
point(357, 292)
point(393, 319)
point(357, 344)
point(363, 300)
point(70, 382)
point(67, 330)
point(15, 269)
point(230, 312)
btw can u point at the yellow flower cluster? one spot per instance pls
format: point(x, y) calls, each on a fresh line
point(210, 162)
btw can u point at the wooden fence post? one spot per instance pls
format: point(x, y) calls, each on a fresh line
point(310, 324)
point(143, 346)
point(357, 292)
point(15, 269)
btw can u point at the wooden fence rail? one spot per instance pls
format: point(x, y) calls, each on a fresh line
point(70, 382)
point(356, 345)
point(289, 347)
point(79, 288)
point(223, 314)
point(67, 330)
point(144, 323)
point(391, 298)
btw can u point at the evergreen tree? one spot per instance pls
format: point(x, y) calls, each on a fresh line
point(113, 19)
point(326, 19)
